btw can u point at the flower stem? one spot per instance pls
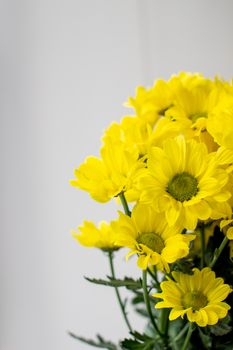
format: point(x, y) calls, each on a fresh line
point(218, 251)
point(164, 323)
point(188, 336)
point(154, 277)
point(124, 204)
point(122, 306)
point(147, 301)
point(202, 237)
point(182, 332)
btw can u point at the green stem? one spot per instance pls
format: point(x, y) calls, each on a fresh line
point(202, 237)
point(154, 277)
point(164, 323)
point(124, 204)
point(147, 301)
point(218, 251)
point(174, 345)
point(188, 336)
point(122, 307)
point(182, 332)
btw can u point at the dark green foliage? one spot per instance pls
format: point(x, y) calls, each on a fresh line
point(141, 342)
point(127, 282)
point(99, 343)
point(205, 339)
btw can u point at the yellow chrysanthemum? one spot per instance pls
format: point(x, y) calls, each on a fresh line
point(189, 81)
point(185, 182)
point(231, 250)
point(147, 234)
point(227, 227)
point(135, 132)
point(190, 102)
point(199, 296)
point(151, 103)
point(103, 236)
point(110, 175)
point(220, 121)
point(194, 99)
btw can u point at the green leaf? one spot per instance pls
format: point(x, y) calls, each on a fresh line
point(205, 339)
point(141, 342)
point(128, 282)
point(142, 337)
point(225, 346)
point(131, 344)
point(100, 343)
point(142, 312)
point(138, 299)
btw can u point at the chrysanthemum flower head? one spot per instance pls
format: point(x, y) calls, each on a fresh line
point(185, 182)
point(149, 104)
point(227, 227)
point(189, 81)
point(110, 175)
point(191, 98)
point(231, 249)
point(147, 234)
point(135, 132)
point(194, 99)
point(102, 236)
point(199, 296)
point(220, 121)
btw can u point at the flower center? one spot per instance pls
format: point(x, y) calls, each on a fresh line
point(196, 116)
point(195, 300)
point(182, 186)
point(152, 241)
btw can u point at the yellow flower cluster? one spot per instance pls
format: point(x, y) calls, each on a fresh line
point(190, 295)
point(172, 159)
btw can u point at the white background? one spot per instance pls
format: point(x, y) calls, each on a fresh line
point(66, 69)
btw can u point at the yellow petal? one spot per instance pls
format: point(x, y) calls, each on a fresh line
point(201, 318)
point(143, 261)
point(212, 316)
point(230, 233)
point(175, 313)
point(203, 210)
point(219, 294)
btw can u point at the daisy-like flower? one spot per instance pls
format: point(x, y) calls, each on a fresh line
point(220, 121)
point(191, 100)
point(227, 227)
point(147, 234)
point(135, 132)
point(194, 99)
point(199, 296)
point(102, 236)
point(231, 249)
point(110, 175)
point(185, 182)
point(149, 104)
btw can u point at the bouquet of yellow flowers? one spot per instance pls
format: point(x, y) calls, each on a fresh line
point(170, 165)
